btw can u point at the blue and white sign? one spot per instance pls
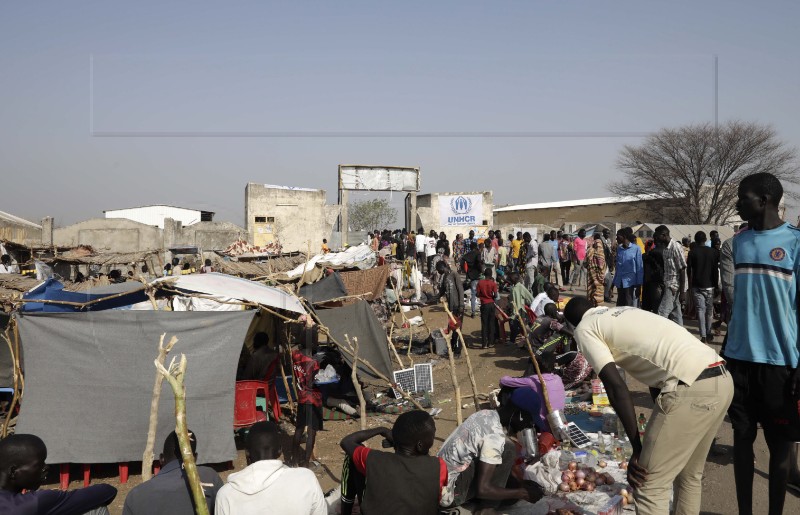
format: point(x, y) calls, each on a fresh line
point(458, 210)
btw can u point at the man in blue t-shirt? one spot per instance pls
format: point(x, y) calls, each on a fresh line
point(762, 346)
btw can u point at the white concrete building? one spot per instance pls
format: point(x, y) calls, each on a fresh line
point(155, 215)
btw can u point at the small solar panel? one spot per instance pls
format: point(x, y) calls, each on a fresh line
point(577, 437)
point(405, 380)
point(423, 376)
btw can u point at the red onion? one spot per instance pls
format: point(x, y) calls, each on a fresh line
point(580, 474)
point(580, 482)
point(600, 481)
point(563, 487)
point(573, 466)
point(589, 487)
point(573, 486)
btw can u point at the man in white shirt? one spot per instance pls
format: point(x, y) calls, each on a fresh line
point(420, 244)
point(430, 251)
point(691, 389)
point(267, 486)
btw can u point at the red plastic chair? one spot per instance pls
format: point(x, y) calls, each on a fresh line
point(245, 413)
point(531, 314)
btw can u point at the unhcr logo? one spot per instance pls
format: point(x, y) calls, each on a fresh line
point(461, 208)
point(461, 205)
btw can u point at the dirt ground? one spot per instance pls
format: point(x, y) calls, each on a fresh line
point(489, 366)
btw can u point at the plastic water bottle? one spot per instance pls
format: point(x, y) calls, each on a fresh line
point(601, 442)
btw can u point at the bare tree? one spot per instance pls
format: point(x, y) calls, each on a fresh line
point(690, 174)
point(371, 214)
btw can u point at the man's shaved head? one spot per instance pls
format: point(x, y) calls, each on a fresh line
point(263, 442)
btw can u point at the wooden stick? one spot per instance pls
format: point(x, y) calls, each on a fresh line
point(362, 405)
point(286, 387)
point(175, 376)
point(466, 354)
point(15, 397)
point(147, 456)
point(456, 387)
point(392, 348)
point(533, 358)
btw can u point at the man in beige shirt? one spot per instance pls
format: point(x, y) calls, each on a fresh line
point(690, 386)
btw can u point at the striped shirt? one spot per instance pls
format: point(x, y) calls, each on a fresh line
point(763, 327)
point(674, 264)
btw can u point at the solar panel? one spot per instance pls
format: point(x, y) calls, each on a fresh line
point(423, 376)
point(405, 381)
point(576, 436)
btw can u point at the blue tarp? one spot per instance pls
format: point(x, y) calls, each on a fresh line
point(53, 290)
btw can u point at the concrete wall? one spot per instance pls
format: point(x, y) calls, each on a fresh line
point(428, 214)
point(112, 234)
point(300, 215)
point(123, 235)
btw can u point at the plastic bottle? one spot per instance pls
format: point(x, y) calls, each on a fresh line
point(642, 424)
point(601, 442)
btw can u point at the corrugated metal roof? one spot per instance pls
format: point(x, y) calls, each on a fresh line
point(574, 203)
point(17, 220)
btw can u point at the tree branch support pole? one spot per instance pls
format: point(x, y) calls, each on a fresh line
point(533, 358)
point(362, 407)
point(14, 352)
point(466, 354)
point(454, 378)
point(175, 376)
point(147, 456)
point(287, 388)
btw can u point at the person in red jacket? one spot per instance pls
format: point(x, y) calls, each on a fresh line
point(487, 293)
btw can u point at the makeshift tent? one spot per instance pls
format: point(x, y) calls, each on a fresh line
point(327, 289)
point(52, 290)
point(369, 284)
point(226, 287)
point(89, 381)
point(359, 321)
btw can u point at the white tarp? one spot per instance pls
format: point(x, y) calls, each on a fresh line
point(455, 210)
point(376, 178)
point(361, 257)
point(226, 287)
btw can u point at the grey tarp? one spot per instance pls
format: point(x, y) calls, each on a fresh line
point(328, 288)
point(359, 321)
point(89, 381)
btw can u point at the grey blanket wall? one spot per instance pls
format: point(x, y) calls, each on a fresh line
point(89, 381)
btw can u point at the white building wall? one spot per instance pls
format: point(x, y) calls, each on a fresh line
point(155, 215)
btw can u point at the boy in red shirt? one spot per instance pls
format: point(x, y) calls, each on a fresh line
point(309, 398)
point(487, 292)
point(406, 481)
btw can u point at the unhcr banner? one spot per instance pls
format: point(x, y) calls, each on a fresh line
point(461, 210)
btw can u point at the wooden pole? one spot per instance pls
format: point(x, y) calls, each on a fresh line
point(362, 408)
point(16, 375)
point(286, 387)
point(466, 354)
point(533, 358)
point(175, 376)
point(147, 456)
point(454, 378)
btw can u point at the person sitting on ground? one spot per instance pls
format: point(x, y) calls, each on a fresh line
point(390, 292)
point(266, 485)
point(168, 492)
point(6, 266)
point(422, 477)
point(325, 248)
point(309, 398)
point(22, 468)
point(479, 458)
point(548, 296)
point(167, 270)
point(452, 291)
point(207, 268)
point(555, 390)
point(487, 294)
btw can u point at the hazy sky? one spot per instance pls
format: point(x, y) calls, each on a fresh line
point(103, 102)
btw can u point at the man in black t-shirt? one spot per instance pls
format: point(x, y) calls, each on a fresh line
point(473, 261)
point(703, 269)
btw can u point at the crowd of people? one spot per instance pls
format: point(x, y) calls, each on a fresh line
point(754, 379)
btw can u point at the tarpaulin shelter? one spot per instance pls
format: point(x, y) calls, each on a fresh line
point(103, 297)
point(225, 287)
point(359, 321)
point(89, 381)
point(324, 290)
